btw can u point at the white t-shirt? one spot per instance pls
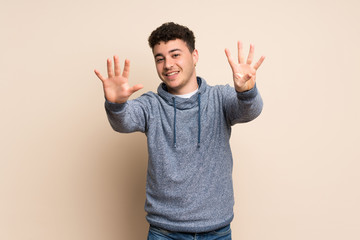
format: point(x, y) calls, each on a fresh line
point(188, 95)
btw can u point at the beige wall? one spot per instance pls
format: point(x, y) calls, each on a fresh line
point(64, 174)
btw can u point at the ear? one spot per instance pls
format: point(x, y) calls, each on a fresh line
point(195, 55)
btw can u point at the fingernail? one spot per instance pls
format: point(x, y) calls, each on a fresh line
point(240, 75)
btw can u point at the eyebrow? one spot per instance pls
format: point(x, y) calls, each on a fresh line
point(172, 50)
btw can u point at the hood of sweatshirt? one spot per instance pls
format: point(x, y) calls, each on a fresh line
point(184, 103)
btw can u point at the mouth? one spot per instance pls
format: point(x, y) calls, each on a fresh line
point(171, 73)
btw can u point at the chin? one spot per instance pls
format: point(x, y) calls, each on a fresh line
point(172, 83)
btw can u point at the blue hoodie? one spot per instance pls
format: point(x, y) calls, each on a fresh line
point(189, 177)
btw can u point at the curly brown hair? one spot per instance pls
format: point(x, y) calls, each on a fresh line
point(171, 31)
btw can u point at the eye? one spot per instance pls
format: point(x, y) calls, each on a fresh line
point(158, 60)
point(176, 55)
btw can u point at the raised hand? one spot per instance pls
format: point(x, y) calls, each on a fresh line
point(244, 74)
point(116, 86)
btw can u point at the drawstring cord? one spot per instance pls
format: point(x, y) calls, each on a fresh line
point(199, 120)
point(174, 122)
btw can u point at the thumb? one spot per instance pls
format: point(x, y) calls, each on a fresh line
point(136, 88)
point(246, 77)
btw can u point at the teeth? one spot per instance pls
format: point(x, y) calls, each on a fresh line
point(170, 74)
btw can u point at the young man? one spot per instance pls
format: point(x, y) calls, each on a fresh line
point(189, 190)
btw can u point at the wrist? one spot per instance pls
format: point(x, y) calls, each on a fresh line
point(243, 89)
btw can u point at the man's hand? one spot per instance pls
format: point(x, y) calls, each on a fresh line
point(116, 86)
point(244, 74)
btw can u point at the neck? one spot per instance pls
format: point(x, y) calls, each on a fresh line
point(190, 86)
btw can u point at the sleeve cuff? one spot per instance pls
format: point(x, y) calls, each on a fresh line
point(249, 94)
point(115, 107)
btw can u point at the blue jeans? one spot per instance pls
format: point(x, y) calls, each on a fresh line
point(162, 234)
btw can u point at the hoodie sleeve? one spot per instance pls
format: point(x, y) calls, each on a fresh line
point(127, 117)
point(241, 107)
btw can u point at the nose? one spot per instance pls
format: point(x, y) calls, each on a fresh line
point(168, 64)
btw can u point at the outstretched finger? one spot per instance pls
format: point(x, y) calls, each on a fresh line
point(135, 88)
point(240, 52)
point(117, 66)
point(251, 54)
point(230, 60)
point(109, 68)
point(258, 64)
point(99, 75)
point(126, 71)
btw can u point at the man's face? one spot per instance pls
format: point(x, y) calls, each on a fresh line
point(175, 65)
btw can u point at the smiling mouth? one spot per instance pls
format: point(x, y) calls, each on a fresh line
point(171, 74)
